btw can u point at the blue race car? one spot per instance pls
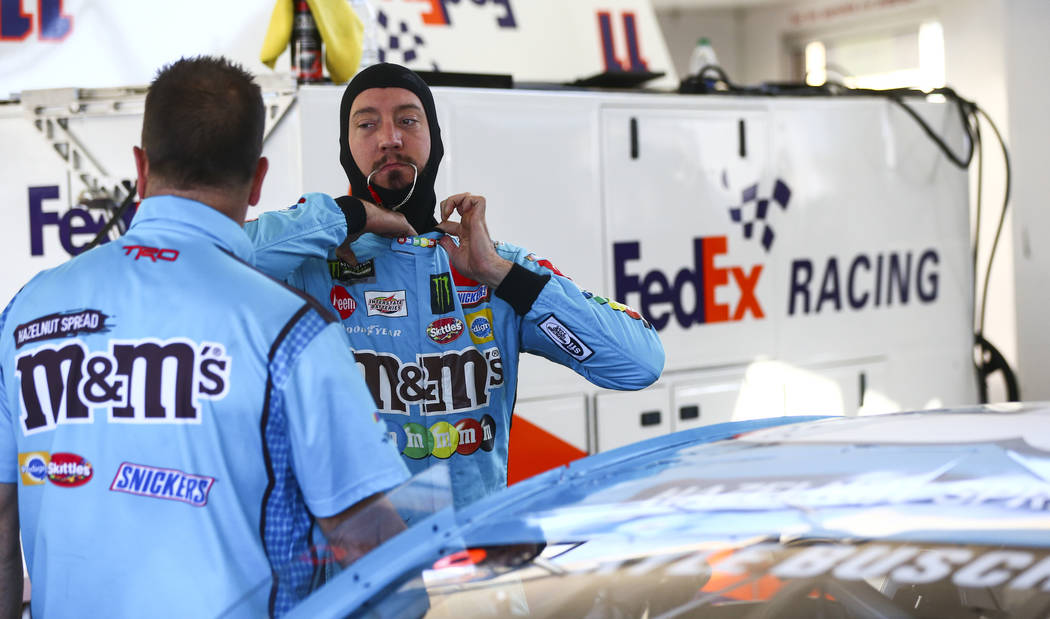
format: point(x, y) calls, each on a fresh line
point(926, 514)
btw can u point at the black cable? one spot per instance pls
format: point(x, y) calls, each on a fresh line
point(977, 220)
point(1002, 219)
point(989, 359)
point(965, 109)
point(117, 217)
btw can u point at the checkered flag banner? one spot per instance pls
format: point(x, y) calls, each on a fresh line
point(398, 43)
point(753, 211)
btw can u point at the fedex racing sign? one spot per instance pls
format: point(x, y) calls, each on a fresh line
point(861, 281)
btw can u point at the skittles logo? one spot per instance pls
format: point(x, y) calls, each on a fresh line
point(69, 470)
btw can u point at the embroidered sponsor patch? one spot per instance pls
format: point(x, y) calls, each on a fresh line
point(472, 297)
point(443, 439)
point(620, 307)
point(445, 330)
point(417, 241)
point(565, 339)
point(480, 326)
point(135, 381)
point(441, 299)
point(152, 254)
point(442, 383)
point(54, 326)
point(69, 470)
point(33, 467)
point(389, 303)
point(343, 303)
point(543, 262)
point(159, 483)
point(350, 274)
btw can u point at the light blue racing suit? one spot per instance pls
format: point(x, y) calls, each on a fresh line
point(173, 417)
point(438, 351)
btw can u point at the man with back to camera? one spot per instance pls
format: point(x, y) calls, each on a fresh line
point(437, 325)
point(178, 420)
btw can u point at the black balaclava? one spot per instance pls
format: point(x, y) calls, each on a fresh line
point(419, 210)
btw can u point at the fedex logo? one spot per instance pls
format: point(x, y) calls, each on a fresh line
point(51, 23)
point(656, 289)
point(76, 227)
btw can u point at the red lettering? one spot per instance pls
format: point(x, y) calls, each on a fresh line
point(748, 300)
point(714, 277)
point(152, 253)
point(436, 16)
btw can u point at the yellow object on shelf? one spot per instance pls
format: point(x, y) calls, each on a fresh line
point(341, 31)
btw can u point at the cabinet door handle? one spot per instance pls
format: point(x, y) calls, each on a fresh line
point(651, 418)
point(689, 412)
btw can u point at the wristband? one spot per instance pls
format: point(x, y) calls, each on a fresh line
point(521, 287)
point(354, 212)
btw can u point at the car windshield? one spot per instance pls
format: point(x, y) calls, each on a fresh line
point(774, 525)
point(753, 578)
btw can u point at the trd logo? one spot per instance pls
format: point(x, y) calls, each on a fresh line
point(655, 288)
point(76, 222)
point(138, 381)
point(153, 253)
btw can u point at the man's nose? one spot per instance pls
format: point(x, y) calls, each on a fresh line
point(390, 136)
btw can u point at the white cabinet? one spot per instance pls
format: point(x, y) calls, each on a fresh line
point(624, 417)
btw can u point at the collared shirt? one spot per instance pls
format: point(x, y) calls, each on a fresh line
point(174, 417)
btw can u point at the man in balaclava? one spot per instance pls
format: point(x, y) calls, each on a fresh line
point(412, 194)
point(438, 315)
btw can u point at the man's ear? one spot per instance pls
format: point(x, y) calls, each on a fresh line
point(257, 181)
point(141, 169)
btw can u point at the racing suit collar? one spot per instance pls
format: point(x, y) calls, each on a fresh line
point(194, 219)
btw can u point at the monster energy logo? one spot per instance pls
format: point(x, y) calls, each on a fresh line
point(441, 298)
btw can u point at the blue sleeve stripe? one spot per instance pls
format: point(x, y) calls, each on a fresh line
point(285, 522)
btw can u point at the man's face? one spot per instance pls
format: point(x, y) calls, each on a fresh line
point(388, 129)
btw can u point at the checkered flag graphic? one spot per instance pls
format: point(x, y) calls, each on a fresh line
point(753, 211)
point(398, 43)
